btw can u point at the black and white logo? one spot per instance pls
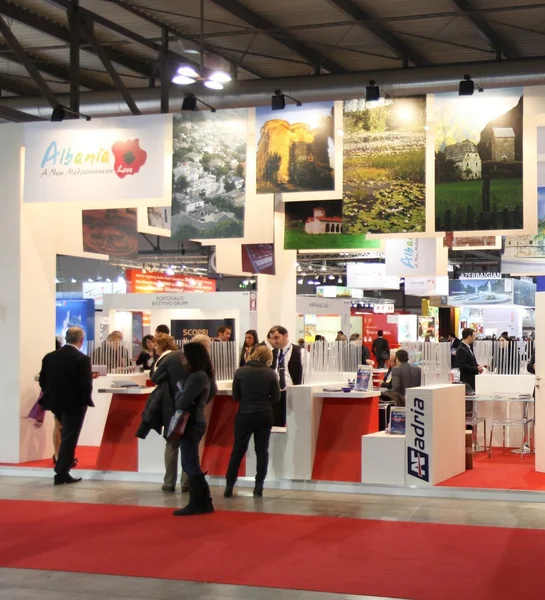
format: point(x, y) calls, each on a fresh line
point(418, 464)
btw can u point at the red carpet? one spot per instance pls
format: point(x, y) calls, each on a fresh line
point(87, 459)
point(347, 556)
point(501, 472)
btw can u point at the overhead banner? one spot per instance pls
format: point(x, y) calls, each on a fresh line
point(410, 257)
point(139, 282)
point(426, 286)
point(370, 276)
point(103, 160)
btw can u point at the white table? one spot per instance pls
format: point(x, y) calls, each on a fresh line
point(383, 459)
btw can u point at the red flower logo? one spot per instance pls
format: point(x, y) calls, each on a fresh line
point(129, 157)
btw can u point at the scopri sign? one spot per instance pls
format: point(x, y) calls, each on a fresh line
point(103, 160)
point(411, 257)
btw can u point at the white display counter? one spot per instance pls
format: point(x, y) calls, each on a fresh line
point(435, 433)
point(383, 459)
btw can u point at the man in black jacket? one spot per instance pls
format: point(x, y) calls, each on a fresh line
point(288, 363)
point(381, 349)
point(465, 359)
point(67, 383)
point(454, 345)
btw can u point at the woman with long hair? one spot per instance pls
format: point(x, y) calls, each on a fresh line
point(256, 388)
point(164, 345)
point(145, 358)
point(251, 342)
point(193, 398)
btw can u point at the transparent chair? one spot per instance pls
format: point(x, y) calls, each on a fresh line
point(502, 418)
point(473, 419)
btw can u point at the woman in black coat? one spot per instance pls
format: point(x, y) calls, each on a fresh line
point(193, 397)
point(256, 388)
point(145, 358)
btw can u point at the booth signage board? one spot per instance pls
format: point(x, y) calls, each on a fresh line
point(486, 292)
point(75, 313)
point(104, 160)
point(480, 276)
point(426, 286)
point(183, 329)
point(419, 440)
point(195, 301)
point(411, 257)
point(309, 305)
point(96, 290)
point(139, 282)
point(370, 276)
point(384, 308)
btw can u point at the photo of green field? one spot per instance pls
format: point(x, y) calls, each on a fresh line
point(478, 161)
point(384, 166)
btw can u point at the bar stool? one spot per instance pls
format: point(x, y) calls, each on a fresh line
point(506, 421)
point(473, 419)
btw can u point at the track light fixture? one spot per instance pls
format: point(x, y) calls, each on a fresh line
point(467, 86)
point(59, 114)
point(278, 101)
point(373, 92)
point(190, 103)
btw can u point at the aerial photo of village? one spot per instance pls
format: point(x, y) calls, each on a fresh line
point(208, 185)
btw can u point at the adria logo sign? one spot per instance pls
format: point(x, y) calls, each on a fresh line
point(129, 158)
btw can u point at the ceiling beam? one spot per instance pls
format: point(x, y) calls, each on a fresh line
point(314, 57)
point(17, 116)
point(34, 21)
point(140, 12)
point(25, 60)
point(10, 84)
point(87, 33)
point(366, 21)
point(58, 71)
point(500, 46)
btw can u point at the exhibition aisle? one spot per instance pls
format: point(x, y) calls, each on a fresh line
point(325, 554)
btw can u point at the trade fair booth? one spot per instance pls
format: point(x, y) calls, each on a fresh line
point(332, 438)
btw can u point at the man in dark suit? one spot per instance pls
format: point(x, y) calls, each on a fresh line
point(67, 383)
point(454, 345)
point(466, 361)
point(288, 363)
point(405, 375)
point(381, 349)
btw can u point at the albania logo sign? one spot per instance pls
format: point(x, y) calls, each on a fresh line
point(129, 158)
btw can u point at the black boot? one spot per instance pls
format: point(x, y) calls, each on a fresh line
point(258, 490)
point(228, 493)
point(194, 506)
point(207, 504)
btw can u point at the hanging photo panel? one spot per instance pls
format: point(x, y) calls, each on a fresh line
point(258, 258)
point(320, 225)
point(110, 231)
point(299, 151)
point(478, 161)
point(208, 176)
point(384, 162)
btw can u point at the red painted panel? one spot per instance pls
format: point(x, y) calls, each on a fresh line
point(338, 448)
point(220, 437)
point(119, 446)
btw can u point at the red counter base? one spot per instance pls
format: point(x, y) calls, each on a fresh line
point(338, 448)
point(220, 437)
point(119, 447)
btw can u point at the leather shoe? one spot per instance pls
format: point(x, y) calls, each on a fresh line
point(65, 479)
point(258, 491)
point(168, 488)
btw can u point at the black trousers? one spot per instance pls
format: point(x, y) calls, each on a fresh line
point(279, 410)
point(72, 422)
point(259, 425)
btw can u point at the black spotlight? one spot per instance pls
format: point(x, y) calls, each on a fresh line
point(189, 102)
point(467, 86)
point(58, 114)
point(372, 92)
point(278, 101)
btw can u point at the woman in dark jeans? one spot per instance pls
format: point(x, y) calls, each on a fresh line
point(193, 398)
point(256, 387)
